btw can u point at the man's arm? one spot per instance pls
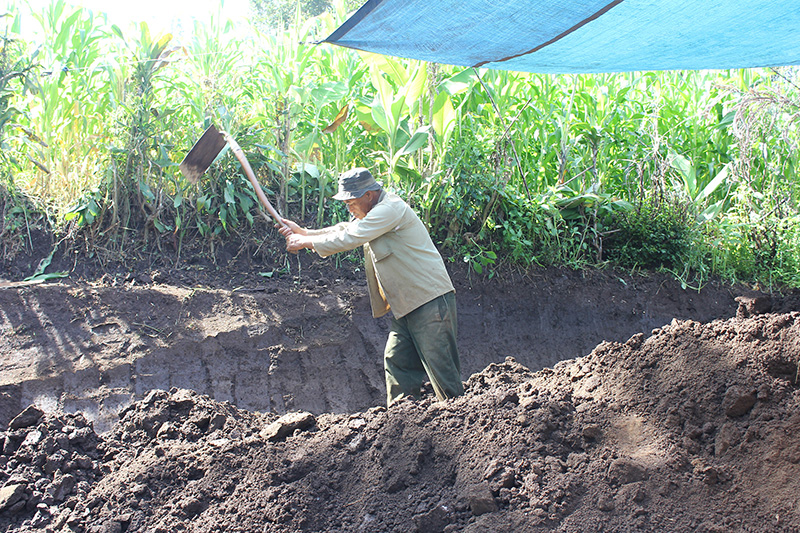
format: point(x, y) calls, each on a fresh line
point(298, 237)
point(381, 219)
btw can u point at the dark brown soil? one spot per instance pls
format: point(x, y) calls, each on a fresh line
point(217, 399)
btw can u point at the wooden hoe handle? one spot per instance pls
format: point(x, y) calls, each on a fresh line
point(237, 150)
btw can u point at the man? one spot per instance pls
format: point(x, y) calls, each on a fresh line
point(405, 274)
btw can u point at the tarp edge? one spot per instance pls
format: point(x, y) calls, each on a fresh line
point(357, 17)
point(558, 37)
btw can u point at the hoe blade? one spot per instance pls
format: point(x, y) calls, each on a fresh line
point(202, 154)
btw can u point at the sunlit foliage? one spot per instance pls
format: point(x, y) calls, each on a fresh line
point(694, 172)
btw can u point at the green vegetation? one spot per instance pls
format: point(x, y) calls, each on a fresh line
point(691, 172)
point(268, 14)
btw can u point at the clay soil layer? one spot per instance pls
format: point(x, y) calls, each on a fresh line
point(595, 401)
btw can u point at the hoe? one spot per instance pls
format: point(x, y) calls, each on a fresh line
point(206, 150)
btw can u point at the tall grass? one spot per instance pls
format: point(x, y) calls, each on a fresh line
point(503, 166)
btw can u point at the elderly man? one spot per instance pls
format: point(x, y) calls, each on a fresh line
point(405, 274)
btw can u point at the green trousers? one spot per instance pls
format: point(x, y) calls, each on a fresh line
point(421, 345)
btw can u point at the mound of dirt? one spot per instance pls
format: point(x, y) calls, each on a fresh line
point(691, 428)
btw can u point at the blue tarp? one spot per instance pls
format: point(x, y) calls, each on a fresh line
point(580, 36)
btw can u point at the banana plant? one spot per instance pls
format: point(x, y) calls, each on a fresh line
point(444, 115)
point(396, 102)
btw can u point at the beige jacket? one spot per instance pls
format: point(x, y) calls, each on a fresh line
point(404, 269)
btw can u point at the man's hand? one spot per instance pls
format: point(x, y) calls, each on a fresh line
point(290, 228)
point(295, 242)
point(295, 234)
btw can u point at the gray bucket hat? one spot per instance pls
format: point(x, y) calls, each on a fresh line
point(354, 183)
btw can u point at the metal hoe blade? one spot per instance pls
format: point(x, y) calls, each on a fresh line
point(206, 150)
point(202, 154)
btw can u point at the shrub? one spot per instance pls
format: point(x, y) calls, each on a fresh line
point(651, 236)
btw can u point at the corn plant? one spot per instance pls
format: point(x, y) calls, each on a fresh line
point(68, 109)
point(397, 110)
point(16, 81)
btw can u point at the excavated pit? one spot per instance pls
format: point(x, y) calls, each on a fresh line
point(287, 346)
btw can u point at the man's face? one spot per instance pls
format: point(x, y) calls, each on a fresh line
point(359, 207)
